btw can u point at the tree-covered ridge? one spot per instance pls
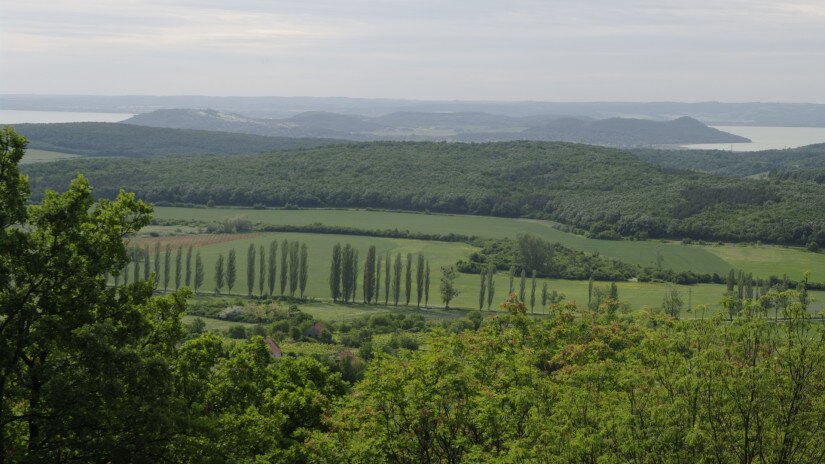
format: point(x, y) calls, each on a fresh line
point(608, 192)
point(116, 139)
point(737, 164)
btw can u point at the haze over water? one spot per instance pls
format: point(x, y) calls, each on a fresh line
point(766, 138)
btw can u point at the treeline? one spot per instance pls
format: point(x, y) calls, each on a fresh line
point(529, 253)
point(608, 193)
point(262, 276)
point(344, 269)
point(129, 140)
point(736, 164)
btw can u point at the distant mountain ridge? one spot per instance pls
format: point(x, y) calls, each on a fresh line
point(116, 139)
point(460, 127)
point(711, 112)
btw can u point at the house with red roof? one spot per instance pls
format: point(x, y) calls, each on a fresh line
point(273, 348)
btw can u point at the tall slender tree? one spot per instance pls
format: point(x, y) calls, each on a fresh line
point(354, 271)
point(250, 269)
point(482, 290)
point(427, 285)
point(522, 285)
point(590, 291)
point(219, 274)
point(126, 267)
point(396, 279)
point(491, 286)
point(387, 279)
point(261, 270)
point(167, 266)
point(136, 261)
point(378, 269)
point(147, 271)
point(533, 292)
point(346, 272)
point(199, 274)
point(178, 267)
point(369, 275)
point(419, 280)
point(408, 280)
point(294, 259)
point(544, 295)
point(231, 271)
point(512, 276)
point(156, 264)
point(284, 266)
point(272, 266)
point(303, 272)
point(188, 277)
point(335, 273)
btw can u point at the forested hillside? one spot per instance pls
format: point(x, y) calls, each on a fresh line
point(608, 192)
point(115, 139)
point(737, 164)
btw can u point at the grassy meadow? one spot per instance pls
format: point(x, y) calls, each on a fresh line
point(762, 260)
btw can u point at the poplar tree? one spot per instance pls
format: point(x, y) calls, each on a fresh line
point(346, 272)
point(188, 277)
point(378, 268)
point(731, 281)
point(387, 279)
point(544, 295)
point(335, 273)
point(261, 270)
point(522, 285)
point(156, 264)
point(396, 279)
point(303, 274)
point(219, 274)
point(408, 280)
point(198, 272)
point(369, 275)
point(178, 267)
point(512, 275)
point(250, 269)
point(294, 249)
point(147, 272)
point(231, 271)
point(481, 292)
point(491, 286)
point(354, 271)
point(590, 291)
point(284, 268)
point(136, 258)
point(427, 285)
point(167, 266)
point(126, 270)
point(272, 266)
point(419, 280)
point(533, 292)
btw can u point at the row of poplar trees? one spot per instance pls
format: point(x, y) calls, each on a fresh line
point(487, 289)
point(184, 274)
point(344, 270)
point(262, 267)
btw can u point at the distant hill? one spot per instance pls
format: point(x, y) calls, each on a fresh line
point(117, 139)
point(738, 164)
point(713, 113)
point(608, 192)
point(461, 126)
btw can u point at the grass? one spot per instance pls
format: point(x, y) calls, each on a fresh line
point(762, 260)
point(44, 156)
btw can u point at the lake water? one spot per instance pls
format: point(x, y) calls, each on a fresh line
point(766, 138)
point(20, 117)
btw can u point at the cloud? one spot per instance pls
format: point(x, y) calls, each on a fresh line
point(477, 49)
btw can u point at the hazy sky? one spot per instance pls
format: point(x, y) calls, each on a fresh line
point(577, 50)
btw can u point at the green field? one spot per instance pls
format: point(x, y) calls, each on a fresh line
point(44, 156)
point(762, 260)
point(636, 294)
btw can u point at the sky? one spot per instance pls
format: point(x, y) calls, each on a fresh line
point(552, 50)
